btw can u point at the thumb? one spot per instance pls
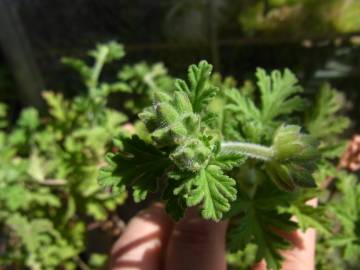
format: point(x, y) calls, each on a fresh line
point(196, 243)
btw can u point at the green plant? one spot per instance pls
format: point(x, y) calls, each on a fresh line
point(299, 18)
point(238, 154)
point(49, 194)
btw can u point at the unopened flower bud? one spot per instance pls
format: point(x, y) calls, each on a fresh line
point(290, 144)
point(191, 156)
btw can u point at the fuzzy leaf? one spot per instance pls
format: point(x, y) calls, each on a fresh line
point(258, 228)
point(258, 216)
point(199, 89)
point(323, 120)
point(243, 104)
point(311, 217)
point(228, 160)
point(138, 165)
point(214, 190)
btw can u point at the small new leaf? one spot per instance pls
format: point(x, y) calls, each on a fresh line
point(200, 90)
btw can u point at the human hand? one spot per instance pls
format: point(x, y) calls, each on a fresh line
point(152, 241)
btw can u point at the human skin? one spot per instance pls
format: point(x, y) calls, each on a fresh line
point(152, 241)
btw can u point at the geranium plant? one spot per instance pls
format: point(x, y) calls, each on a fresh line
point(254, 154)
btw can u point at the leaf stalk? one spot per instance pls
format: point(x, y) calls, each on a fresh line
point(251, 150)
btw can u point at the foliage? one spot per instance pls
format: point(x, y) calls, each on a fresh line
point(139, 80)
point(252, 162)
point(255, 154)
point(49, 194)
point(299, 18)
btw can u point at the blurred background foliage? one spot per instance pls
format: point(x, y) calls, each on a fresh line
point(318, 39)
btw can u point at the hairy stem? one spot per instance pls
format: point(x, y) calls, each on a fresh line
point(251, 150)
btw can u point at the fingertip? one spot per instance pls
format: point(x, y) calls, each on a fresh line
point(259, 266)
point(143, 240)
point(200, 241)
point(301, 256)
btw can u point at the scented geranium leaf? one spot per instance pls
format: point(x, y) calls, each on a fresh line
point(311, 217)
point(257, 227)
point(323, 120)
point(243, 104)
point(36, 234)
point(175, 205)
point(221, 118)
point(346, 210)
point(138, 165)
point(228, 159)
point(214, 190)
point(278, 94)
point(58, 107)
point(79, 65)
point(308, 213)
point(280, 175)
point(142, 80)
point(104, 53)
point(246, 114)
point(109, 51)
point(257, 220)
point(200, 89)
point(29, 119)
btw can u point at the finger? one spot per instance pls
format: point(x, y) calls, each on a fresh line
point(196, 243)
point(302, 254)
point(141, 244)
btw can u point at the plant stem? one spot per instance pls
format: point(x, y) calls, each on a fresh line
point(96, 70)
point(252, 150)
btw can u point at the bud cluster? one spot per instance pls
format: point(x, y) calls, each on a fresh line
point(173, 123)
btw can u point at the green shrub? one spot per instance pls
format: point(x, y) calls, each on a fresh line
point(49, 194)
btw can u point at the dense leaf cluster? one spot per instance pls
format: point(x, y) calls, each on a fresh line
point(255, 154)
point(297, 18)
point(49, 196)
point(235, 152)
